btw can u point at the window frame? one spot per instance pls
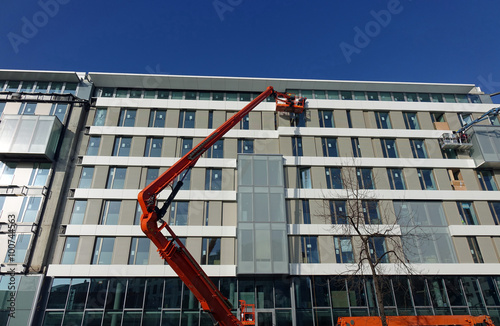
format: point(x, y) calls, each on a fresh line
point(418, 148)
point(151, 147)
point(386, 144)
point(365, 178)
point(330, 147)
point(425, 182)
point(156, 121)
point(127, 117)
point(113, 173)
point(396, 182)
point(326, 121)
point(97, 251)
point(134, 257)
point(383, 120)
point(122, 146)
point(211, 174)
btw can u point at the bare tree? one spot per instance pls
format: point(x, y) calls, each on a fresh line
point(375, 230)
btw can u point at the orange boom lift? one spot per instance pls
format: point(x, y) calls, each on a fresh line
point(172, 250)
point(416, 320)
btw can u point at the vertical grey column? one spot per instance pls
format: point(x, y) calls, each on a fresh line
point(262, 226)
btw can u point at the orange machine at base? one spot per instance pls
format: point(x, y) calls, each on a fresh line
point(172, 250)
point(416, 320)
point(247, 313)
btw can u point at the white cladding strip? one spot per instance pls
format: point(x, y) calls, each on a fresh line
point(132, 271)
point(180, 132)
point(144, 103)
point(224, 195)
point(474, 230)
point(336, 229)
point(395, 194)
point(396, 269)
point(379, 162)
point(311, 103)
point(156, 161)
point(399, 106)
point(360, 132)
point(135, 230)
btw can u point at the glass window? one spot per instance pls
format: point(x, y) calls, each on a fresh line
point(396, 179)
point(450, 98)
point(305, 177)
point(135, 93)
point(218, 96)
point(426, 179)
point(383, 121)
point(12, 86)
point(213, 179)
point(186, 119)
point(120, 92)
point(245, 146)
point(217, 150)
point(411, 121)
point(103, 251)
point(465, 118)
point(320, 95)
point(356, 149)
point(424, 97)
point(389, 148)
point(69, 252)
point(152, 174)
point(163, 94)
point(359, 96)
point(245, 122)
point(437, 98)
point(378, 250)
point(333, 95)
point(371, 212)
point(365, 179)
point(411, 97)
point(372, 96)
point(93, 147)
point(2, 107)
point(149, 93)
point(86, 177)
point(59, 110)
point(338, 211)
point(70, 88)
point(116, 178)
point(138, 214)
point(299, 120)
point(467, 213)
point(27, 108)
point(26, 87)
point(41, 87)
point(329, 147)
point(477, 257)
point(385, 96)
point(247, 97)
point(462, 98)
point(139, 251)
point(110, 212)
point(56, 88)
point(177, 95)
point(349, 120)
point(297, 146)
point(310, 252)
point(179, 213)
point(29, 209)
point(122, 146)
point(210, 251)
point(231, 96)
point(187, 145)
point(306, 212)
point(418, 148)
point(21, 248)
point(127, 118)
point(107, 92)
point(210, 119)
point(153, 147)
point(157, 118)
point(204, 96)
point(495, 211)
point(7, 171)
point(343, 250)
point(307, 93)
point(346, 95)
point(39, 174)
point(333, 178)
point(400, 97)
point(326, 119)
point(100, 117)
point(78, 214)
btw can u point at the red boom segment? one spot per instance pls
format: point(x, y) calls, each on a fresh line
point(173, 251)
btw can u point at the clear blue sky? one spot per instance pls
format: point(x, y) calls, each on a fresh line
point(453, 41)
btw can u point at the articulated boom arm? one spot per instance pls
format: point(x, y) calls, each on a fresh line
point(491, 113)
point(173, 251)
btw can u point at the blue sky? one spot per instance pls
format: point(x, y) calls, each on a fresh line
point(452, 41)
